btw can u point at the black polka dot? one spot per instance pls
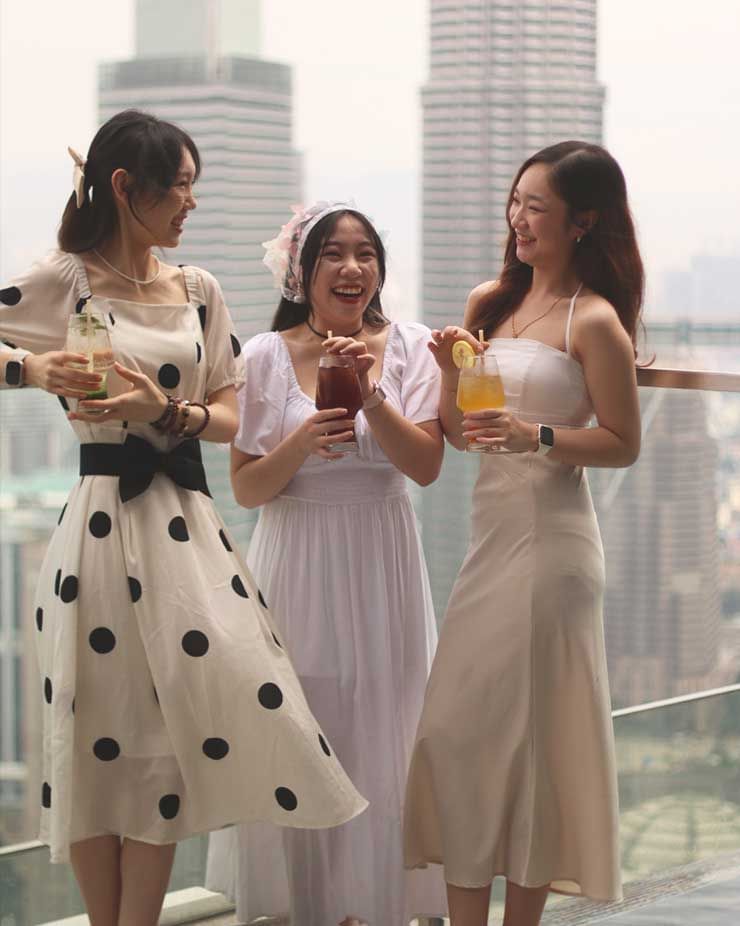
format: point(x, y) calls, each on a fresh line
point(178, 529)
point(10, 296)
point(235, 345)
point(57, 581)
point(277, 642)
point(106, 749)
point(169, 806)
point(195, 643)
point(270, 696)
point(198, 352)
point(112, 320)
point(63, 403)
point(80, 304)
point(224, 540)
point(202, 315)
point(238, 586)
point(10, 344)
point(47, 690)
point(324, 745)
point(40, 618)
point(102, 640)
point(46, 795)
point(262, 599)
point(168, 376)
point(215, 748)
point(286, 798)
point(100, 524)
point(62, 514)
point(69, 589)
point(134, 587)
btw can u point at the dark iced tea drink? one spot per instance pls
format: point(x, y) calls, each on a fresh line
point(338, 387)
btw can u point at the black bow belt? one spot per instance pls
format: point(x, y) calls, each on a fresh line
point(136, 463)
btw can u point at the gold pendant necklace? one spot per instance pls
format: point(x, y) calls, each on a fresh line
point(522, 330)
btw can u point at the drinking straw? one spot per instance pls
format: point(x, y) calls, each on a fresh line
point(480, 335)
point(90, 355)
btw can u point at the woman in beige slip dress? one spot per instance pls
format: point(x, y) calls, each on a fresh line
point(513, 770)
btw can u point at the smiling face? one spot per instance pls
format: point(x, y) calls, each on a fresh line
point(346, 275)
point(164, 218)
point(545, 232)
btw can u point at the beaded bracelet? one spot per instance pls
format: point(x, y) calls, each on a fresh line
point(164, 423)
point(183, 409)
point(204, 423)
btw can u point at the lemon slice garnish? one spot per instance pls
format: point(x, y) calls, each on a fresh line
point(462, 354)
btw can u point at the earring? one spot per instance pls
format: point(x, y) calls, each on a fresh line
point(578, 239)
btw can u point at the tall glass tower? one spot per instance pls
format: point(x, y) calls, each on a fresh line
point(506, 78)
point(197, 65)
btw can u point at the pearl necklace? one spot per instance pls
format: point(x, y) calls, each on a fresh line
point(126, 276)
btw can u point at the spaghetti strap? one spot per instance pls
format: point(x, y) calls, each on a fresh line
point(570, 318)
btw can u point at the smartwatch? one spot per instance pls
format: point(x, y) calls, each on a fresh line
point(376, 397)
point(14, 372)
point(545, 439)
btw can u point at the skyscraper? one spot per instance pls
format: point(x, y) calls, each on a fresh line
point(506, 78)
point(196, 65)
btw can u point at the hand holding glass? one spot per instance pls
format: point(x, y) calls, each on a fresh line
point(337, 386)
point(479, 387)
point(87, 333)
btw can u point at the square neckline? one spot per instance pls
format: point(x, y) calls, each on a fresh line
point(82, 278)
point(294, 378)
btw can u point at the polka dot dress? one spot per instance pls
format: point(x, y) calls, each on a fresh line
point(170, 705)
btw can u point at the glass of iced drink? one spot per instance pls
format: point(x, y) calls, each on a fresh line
point(87, 333)
point(478, 388)
point(338, 387)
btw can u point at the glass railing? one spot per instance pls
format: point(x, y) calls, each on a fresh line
point(671, 531)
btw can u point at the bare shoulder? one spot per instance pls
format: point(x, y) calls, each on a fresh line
point(477, 295)
point(596, 325)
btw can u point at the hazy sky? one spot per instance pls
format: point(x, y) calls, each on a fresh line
point(672, 116)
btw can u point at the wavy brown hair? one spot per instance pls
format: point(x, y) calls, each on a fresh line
point(607, 260)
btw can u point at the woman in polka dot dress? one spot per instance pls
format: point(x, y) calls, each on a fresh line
point(171, 707)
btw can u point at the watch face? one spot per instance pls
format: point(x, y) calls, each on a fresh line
point(547, 435)
point(13, 371)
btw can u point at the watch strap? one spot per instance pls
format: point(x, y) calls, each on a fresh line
point(376, 397)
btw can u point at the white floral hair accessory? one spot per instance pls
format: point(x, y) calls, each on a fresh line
point(78, 176)
point(283, 254)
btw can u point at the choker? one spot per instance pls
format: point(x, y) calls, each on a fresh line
point(325, 336)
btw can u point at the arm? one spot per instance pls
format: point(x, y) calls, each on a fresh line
point(256, 480)
point(608, 361)
point(416, 449)
point(34, 309)
point(450, 415)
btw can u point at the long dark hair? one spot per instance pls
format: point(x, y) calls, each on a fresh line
point(289, 314)
point(149, 149)
point(607, 260)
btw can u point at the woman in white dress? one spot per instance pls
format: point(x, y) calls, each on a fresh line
point(170, 705)
point(338, 555)
point(513, 770)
